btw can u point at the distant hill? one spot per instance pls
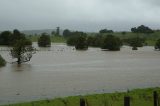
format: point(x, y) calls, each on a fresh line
point(38, 32)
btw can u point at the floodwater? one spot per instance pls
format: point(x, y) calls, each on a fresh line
point(62, 71)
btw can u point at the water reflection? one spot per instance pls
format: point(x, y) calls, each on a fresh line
point(21, 67)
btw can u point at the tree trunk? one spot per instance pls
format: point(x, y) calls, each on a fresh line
point(19, 60)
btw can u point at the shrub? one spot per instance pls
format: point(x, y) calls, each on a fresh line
point(111, 43)
point(157, 45)
point(81, 43)
point(44, 40)
point(2, 61)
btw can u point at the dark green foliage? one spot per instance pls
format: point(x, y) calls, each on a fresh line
point(136, 42)
point(2, 61)
point(5, 38)
point(95, 41)
point(142, 29)
point(17, 35)
point(9, 38)
point(22, 50)
point(81, 43)
point(66, 33)
point(111, 43)
point(44, 40)
point(105, 31)
point(157, 45)
point(72, 39)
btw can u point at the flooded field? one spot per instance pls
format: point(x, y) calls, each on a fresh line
point(62, 71)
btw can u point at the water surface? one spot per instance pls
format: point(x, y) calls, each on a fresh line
point(62, 71)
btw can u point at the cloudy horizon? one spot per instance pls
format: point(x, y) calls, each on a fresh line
point(84, 15)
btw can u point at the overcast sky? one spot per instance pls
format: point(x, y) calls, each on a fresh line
point(85, 15)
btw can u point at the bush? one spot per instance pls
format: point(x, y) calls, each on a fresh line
point(2, 61)
point(74, 36)
point(111, 43)
point(95, 41)
point(81, 43)
point(157, 45)
point(44, 40)
point(71, 41)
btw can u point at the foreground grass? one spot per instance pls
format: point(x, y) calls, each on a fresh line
point(139, 97)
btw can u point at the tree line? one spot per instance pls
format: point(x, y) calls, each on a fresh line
point(22, 49)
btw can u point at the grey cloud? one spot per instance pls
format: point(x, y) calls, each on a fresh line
point(88, 15)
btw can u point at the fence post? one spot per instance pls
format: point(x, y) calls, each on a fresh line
point(155, 98)
point(127, 101)
point(82, 102)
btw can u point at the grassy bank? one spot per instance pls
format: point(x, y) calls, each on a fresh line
point(139, 97)
point(54, 39)
point(150, 38)
point(2, 61)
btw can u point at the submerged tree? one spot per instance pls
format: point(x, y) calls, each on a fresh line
point(136, 42)
point(81, 43)
point(111, 43)
point(157, 45)
point(44, 40)
point(2, 61)
point(22, 50)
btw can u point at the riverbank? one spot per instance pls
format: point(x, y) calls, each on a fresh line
point(139, 97)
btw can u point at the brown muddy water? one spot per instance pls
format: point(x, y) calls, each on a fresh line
point(62, 71)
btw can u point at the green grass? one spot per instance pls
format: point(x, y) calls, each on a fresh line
point(139, 97)
point(55, 39)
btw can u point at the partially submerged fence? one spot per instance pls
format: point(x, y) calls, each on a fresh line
point(127, 100)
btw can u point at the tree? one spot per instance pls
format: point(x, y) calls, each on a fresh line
point(157, 45)
point(111, 43)
point(95, 41)
point(44, 40)
point(2, 61)
point(105, 31)
point(136, 42)
point(66, 33)
point(142, 29)
point(22, 50)
point(5, 38)
point(81, 43)
point(72, 39)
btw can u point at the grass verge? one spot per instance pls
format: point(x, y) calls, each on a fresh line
point(139, 97)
